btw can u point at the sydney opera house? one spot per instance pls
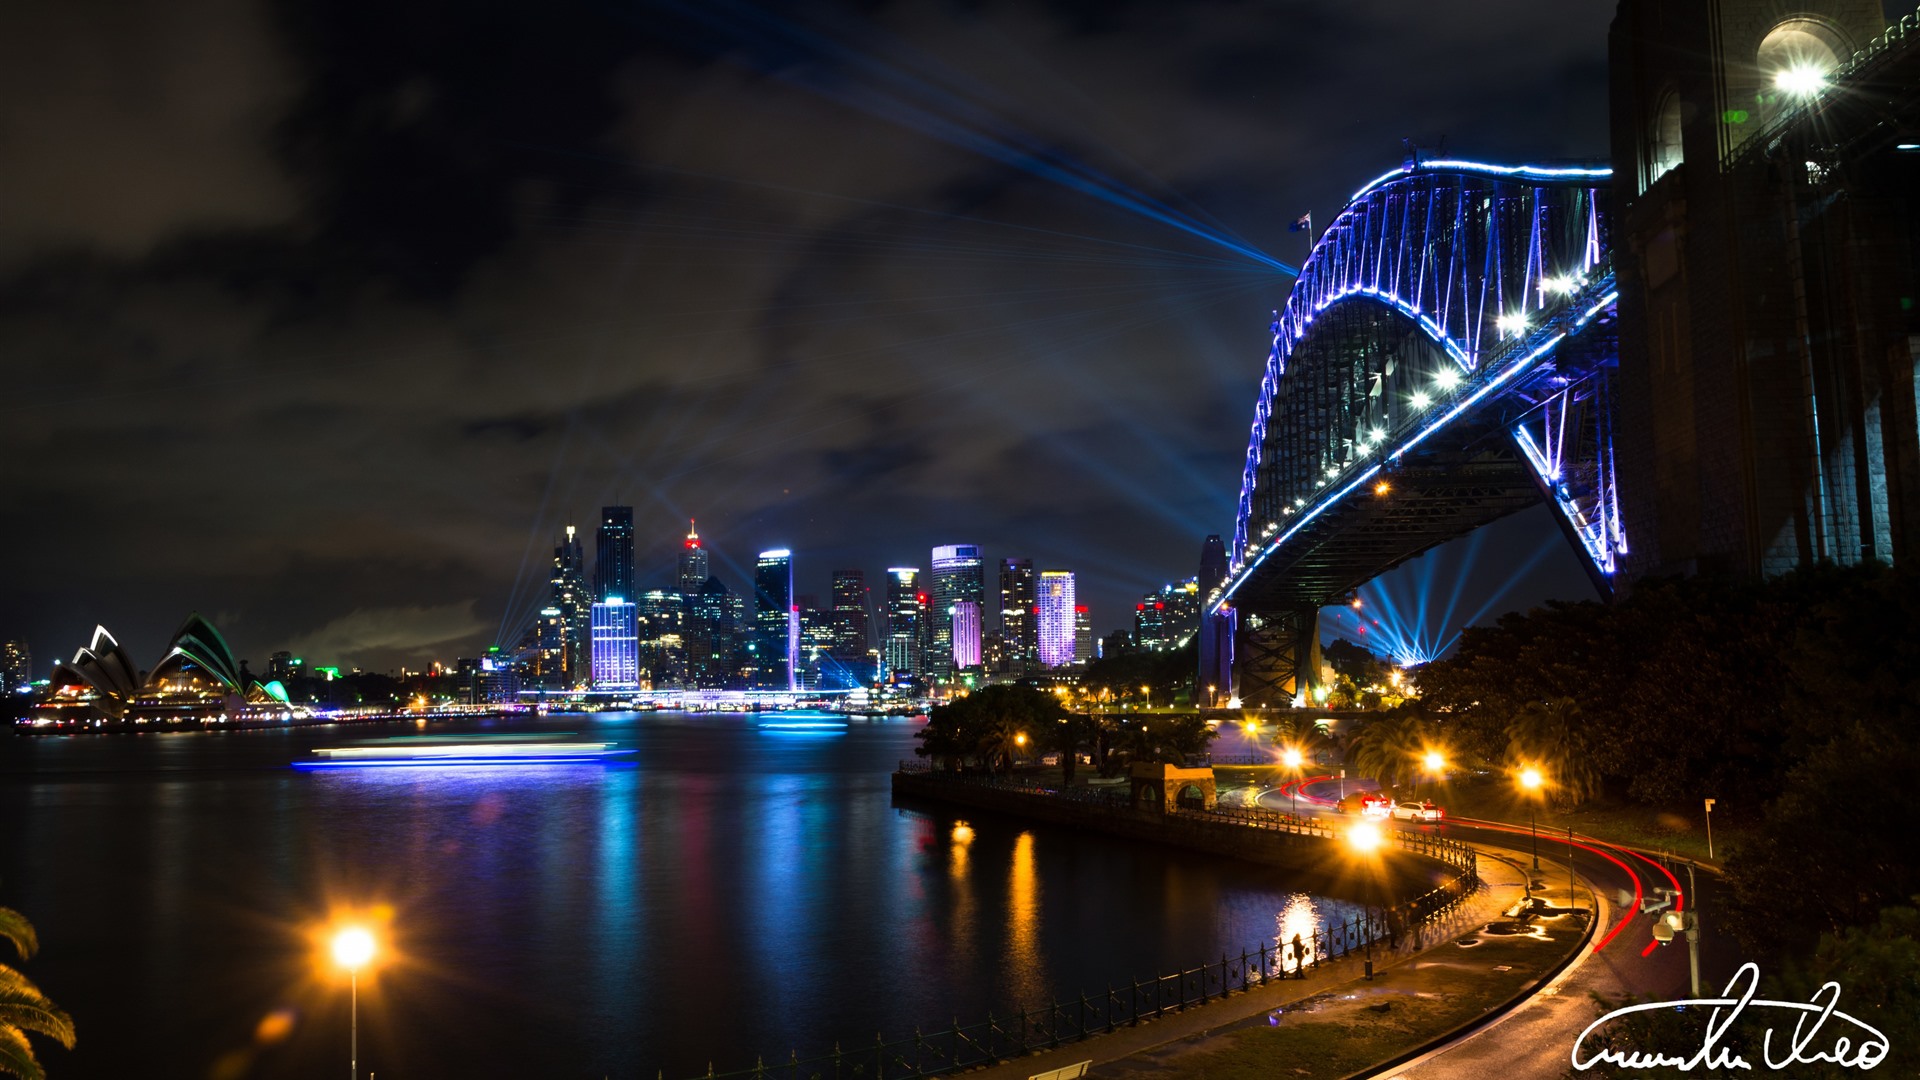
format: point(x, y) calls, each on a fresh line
point(195, 682)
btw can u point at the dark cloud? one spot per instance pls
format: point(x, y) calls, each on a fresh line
point(327, 316)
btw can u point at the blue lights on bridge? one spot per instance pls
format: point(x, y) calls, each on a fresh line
point(1467, 252)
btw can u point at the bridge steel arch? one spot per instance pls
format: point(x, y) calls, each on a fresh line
point(1445, 358)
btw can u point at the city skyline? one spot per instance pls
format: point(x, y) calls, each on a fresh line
point(830, 301)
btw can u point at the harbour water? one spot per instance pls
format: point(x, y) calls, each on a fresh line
point(739, 886)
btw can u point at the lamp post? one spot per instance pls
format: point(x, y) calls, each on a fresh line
point(1530, 781)
point(1434, 762)
point(1365, 839)
point(1293, 759)
point(352, 948)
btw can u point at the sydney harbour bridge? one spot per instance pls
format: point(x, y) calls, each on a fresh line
point(1701, 354)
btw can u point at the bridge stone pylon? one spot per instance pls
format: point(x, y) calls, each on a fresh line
point(1446, 357)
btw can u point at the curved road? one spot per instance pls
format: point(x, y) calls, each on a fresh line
point(1535, 1039)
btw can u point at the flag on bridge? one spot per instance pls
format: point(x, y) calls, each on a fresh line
point(1303, 223)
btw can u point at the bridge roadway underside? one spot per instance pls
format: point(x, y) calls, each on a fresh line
point(1439, 497)
point(1433, 495)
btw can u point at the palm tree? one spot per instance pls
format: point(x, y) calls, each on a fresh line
point(23, 1008)
point(1548, 734)
point(1388, 748)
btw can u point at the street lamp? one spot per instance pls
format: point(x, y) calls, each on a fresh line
point(1530, 781)
point(1148, 692)
point(1293, 758)
point(1434, 762)
point(352, 948)
point(1365, 839)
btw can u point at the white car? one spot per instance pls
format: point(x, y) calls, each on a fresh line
point(1424, 812)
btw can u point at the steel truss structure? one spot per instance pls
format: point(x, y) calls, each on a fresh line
point(1445, 358)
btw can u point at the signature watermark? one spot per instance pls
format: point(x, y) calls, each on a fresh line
point(1850, 1043)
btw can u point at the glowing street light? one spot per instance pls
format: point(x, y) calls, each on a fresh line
point(353, 948)
point(1512, 324)
point(1365, 839)
point(1434, 759)
point(1530, 781)
point(1421, 400)
point(1447, 378)
point(1293, 757)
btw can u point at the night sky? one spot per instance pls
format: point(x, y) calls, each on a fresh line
point(323, 318)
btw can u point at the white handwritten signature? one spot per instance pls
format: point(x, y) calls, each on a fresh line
point(1800, 1049)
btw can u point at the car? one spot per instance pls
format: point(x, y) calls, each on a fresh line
point(1423, 812)
point(1365, 803)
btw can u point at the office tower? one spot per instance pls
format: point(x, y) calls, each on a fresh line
point(1150, 623)
point(1215, 630)
point(905, 605)
point(1083, 650)
point(1053, 618)
point(663, 653)
point(776, 622)
point(693, 573)
point(1016, 614)
point(570, 595)
point(16, 666)
point(616, 645)
point(966, 634)
point(711, 642)
point(543, 658)
point(849, 619)
point(957, 575)
point(613, 555)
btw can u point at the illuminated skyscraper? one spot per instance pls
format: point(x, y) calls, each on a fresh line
point(957, 575)
point(1016, 614)
point(906, 606)
point(16, 666)
point(1084, 651)
point(613, 554)
point(776, 622)
point(849, 620)
point(693, 564)
point(1053, 618)
point(966, 634)
point(712, 640)
point(570, 596)
point(616, 644)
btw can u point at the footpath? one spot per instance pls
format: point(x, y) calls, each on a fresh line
point(1335, 1023)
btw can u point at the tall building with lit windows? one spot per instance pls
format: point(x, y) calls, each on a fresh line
point(613, 553)
point(693, 570)
point(16, 666)
point(575, 604)
point(776, 622)
point(958, 575)
point(1016, 614)
point(1053, 618)
point(616, 644)
point(966, 634)
point(906, 611)
point(849, 618)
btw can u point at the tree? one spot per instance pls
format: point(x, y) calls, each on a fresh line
point(1555, 736)
point(1388, 748)
point(24, 1009)
point(985, 726)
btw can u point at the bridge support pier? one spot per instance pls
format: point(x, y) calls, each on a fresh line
point(1279, 657)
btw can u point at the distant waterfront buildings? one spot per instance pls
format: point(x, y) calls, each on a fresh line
point(958, 575)
point(775, 620)
point(966, 634)
point(1053, 618)
point(616, 644)
point(1167, 618)
point(1019, 647)
point(849, 619)
point(1083, 649)
point(906, 611)
point(693, 570)
point(568, 594)
point(16, 666)
point(613, 554)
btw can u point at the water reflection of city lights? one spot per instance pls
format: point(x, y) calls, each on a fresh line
point(1298, 921)
point(1023, 921)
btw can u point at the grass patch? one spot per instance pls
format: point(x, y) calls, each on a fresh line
point(1359, 1026)
point(1620, 822)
